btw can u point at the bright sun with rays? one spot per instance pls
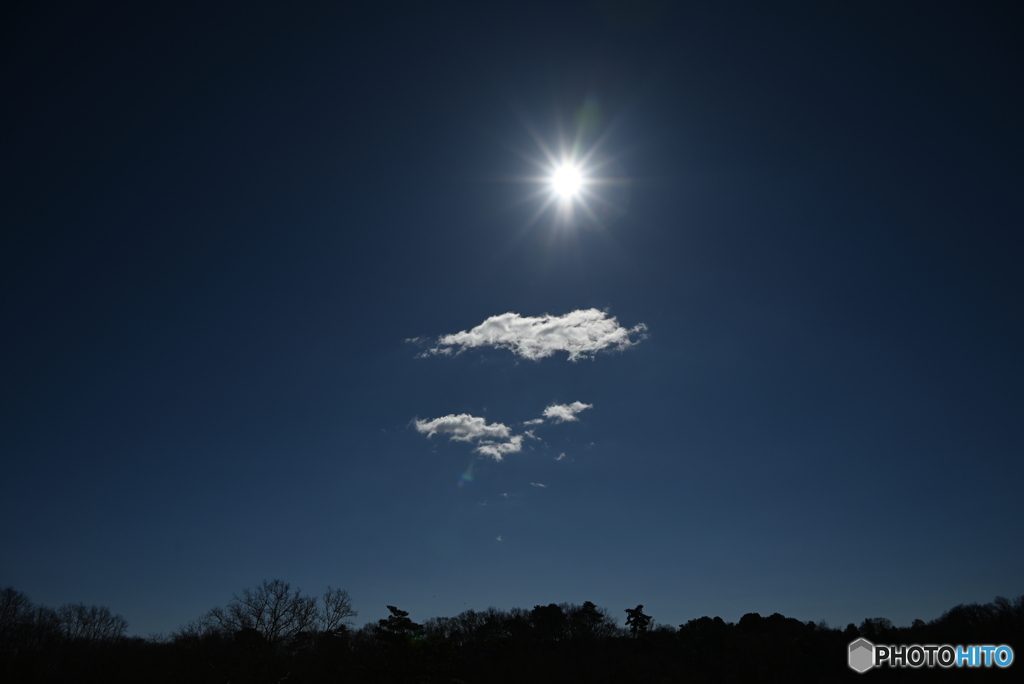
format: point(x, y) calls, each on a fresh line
point(575, 183)
point(567, 180)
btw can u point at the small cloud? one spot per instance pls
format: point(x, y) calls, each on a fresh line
point(560, 456)
point(462, 427)
point(582, 334)
point(499, 538)
point(497, 450)
point(562, 413)
point(538, 484)
point(494, 439)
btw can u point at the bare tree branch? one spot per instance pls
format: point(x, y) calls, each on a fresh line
point(280, 614)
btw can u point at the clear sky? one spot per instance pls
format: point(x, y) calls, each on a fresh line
point(282, 282)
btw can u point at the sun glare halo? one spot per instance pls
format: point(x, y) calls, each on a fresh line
point(567, 180)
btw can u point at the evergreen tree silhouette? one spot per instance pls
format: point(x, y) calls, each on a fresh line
point(636, 620)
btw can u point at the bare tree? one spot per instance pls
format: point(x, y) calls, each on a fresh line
point(44, 628)
point(92, 623)
point(337, 611)
point(25, 627)
point(15, 609)
point(280, 614)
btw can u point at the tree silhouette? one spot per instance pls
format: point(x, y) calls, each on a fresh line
point(556, 642)
point(337, 611)
point(549, 622)
point(636, 620)
point(875, 629)
point(399, 624)
point(89, 623)
point(278, 614)
point(272, 610)
point(24, 626)
point(15, 609)
point(590, 622)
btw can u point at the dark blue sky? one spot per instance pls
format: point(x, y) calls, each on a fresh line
point(222, 223)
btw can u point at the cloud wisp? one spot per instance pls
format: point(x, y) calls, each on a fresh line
point(494, 439)
point(562, 413)
point(463, 428)
point(581, 333)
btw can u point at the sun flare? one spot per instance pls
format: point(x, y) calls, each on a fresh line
point(567, 180)
point(573, 182)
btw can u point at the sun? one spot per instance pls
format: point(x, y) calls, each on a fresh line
point(573, 181)
point(567, 181)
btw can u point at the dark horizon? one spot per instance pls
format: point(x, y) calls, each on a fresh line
point(274, 632)
point(289, 292)
point(117, 627)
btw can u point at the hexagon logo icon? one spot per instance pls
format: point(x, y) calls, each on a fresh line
point(862, 655)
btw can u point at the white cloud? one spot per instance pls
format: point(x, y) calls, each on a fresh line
point(497, 450)
point(538, 484)
point(580, 333)
point(494, 440)
point(561, 413)
point(463, 428)
point(498, 538)
point(560, 456)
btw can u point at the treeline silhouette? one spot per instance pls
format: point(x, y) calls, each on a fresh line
point(274, 634)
